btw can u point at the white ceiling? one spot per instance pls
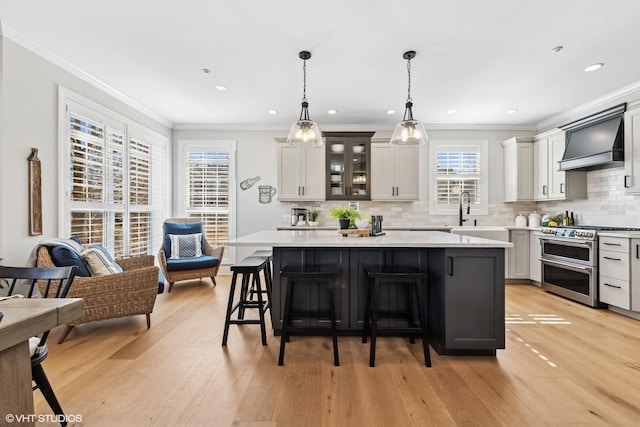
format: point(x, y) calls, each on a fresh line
point(479, 57)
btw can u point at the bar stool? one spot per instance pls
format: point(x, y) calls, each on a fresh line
point(414, 280)
point(250, 269)
point(268, 275)
point(323, 275)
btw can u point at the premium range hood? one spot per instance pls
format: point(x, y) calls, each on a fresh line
point(596, 141)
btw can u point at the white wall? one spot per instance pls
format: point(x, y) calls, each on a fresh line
point(30, 119)
point(257, 156)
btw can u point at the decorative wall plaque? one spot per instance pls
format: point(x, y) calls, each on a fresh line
point(35, 193)
point(248, 183)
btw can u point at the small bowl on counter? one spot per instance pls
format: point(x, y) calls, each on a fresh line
point(362, 224)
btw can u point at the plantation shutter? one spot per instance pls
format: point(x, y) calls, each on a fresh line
point(454, 167)
point(207, 191)
point(116, 187)
point(457, 171)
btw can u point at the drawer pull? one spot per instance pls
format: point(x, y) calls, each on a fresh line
point(611, 244)
point(612, 286)
point(612, 259)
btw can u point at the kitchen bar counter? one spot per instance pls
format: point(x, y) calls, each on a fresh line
point(391, 239)
point(465, 281)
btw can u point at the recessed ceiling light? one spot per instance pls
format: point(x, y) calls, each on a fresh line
point(557, 49)
point(594, 67)
point(273, 112)
point(391, 111)
point(221, 88)
point(512, 111)
point(206, 71)
point(332, 111)
point(451, 110)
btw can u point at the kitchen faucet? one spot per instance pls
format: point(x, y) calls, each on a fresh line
point(460, 220)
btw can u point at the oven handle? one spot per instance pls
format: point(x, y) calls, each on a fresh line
point(566, 264)
point(570, 242)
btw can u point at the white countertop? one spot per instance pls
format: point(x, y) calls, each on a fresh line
point(392, 238)
point(409, 227)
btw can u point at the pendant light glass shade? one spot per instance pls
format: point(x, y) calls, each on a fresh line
point(409, 131)
point(304, 130)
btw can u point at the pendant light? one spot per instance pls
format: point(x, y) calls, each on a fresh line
point(304, 130)
point(409, 131)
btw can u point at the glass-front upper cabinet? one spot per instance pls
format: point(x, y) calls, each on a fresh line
point(348, 165)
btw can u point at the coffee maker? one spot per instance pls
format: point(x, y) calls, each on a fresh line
point(297, 215)
point(376, 225)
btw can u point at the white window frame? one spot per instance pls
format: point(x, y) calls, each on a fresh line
point(482, 147)
point(160, 173)
point(210, 145)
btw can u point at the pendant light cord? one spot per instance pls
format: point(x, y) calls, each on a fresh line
point(304, 80)
point(408, 113)
point(409, 86)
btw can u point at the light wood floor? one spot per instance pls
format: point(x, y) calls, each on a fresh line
point(582, 370)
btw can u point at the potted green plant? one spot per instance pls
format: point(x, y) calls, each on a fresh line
point(312, 217)
point(345, 216)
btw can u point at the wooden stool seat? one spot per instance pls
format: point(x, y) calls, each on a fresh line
point(295, 276)
point(249, 268)
point(415, 280)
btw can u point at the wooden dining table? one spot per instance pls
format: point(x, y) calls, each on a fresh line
point(24, 318)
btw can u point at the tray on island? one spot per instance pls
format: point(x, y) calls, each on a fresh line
point(359, 232)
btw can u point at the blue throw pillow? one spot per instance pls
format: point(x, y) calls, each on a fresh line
point(65, 257)
point(179, 228)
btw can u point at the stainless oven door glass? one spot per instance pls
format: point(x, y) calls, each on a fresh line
point(571, 281)
point(576, 251)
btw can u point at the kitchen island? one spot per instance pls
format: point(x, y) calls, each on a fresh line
point(466, 281)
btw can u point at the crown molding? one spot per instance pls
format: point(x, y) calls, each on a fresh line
point(348, 127)
point(29, 44)
point(623, 94)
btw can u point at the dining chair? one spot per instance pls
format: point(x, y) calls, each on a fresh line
point(52, 283)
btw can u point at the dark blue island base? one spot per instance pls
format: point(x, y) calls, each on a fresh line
point(465, 292)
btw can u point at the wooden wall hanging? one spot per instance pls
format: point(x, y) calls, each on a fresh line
point(35, 193)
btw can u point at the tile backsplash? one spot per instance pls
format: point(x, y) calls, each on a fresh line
point(606, 204)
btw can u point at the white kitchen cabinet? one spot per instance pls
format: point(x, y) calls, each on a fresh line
point(635, 274)
point(518, 254)
point(614, 261)
point(631, 153)
point(394, 172)
point(301, 173)
point(549, 182)
point(535, 252)
point(518, 169)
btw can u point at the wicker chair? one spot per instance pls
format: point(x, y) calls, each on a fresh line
point(116, 295)
point(173, 276)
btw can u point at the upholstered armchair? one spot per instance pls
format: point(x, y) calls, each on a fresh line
point(194, 262)
point(130, 292)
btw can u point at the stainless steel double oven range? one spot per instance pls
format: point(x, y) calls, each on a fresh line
point(570, 261)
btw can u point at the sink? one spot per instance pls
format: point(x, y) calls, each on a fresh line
point(485, 232)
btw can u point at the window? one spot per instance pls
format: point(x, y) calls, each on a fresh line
point(207, 183)
point(114, 179)
point(457, 166)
